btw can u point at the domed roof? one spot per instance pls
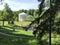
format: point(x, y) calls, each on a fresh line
point(23, 13)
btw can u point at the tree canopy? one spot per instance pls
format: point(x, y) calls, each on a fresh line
point(46, 19)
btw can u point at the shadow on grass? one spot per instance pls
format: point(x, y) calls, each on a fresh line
point(8, 29)
point(5, 40)
point(57, 43)
point(10, 32)
point(2, 29)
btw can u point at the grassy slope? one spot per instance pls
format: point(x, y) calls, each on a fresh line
point(18, 31)
point(5, 40)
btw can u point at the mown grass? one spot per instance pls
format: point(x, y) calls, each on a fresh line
point(11, 30)
point(26, 23)
point(22, 23)
point(55, 38)
point(5, 40)
point(21, 32)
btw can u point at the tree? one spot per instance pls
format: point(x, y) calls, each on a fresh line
point(25, 11)
point(1, 2)
point(9, 14)
point(1, 17)
point(30, 12)
point(35, 13)
point(48, 17)
point(15, 16)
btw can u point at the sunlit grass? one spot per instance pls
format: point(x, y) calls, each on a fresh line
point(22, 23)
point(16, 23)
point(9, 30)
point(22, 32)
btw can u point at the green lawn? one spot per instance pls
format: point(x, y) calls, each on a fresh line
point(18, 31)
point(22, 23)
point(55, 38)
point(29, 41)
point(6, 40)
point(16, 23)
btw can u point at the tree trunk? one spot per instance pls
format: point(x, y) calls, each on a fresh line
point(12, 22)
point(8, 22)
point(3, 22)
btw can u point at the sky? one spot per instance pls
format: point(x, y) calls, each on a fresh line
point(16, 5)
